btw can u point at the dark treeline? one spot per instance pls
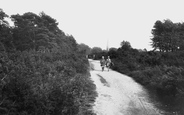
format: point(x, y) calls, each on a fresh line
point(161, 70)
point(43, 71)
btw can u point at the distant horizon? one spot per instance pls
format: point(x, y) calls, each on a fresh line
point(95, 22)
point(11, 24)
point(117, 47)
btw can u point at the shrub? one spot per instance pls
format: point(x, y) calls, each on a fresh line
point(166, 81)
point(34, 83)
point(40, 67)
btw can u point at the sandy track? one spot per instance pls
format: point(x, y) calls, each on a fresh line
point(119, 94)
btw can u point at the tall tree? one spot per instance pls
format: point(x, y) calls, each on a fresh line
point(125, 45)
point(166, 36)
point(32, 31)
point(84, 48)
point(5, 33)
point(96, 50)
point(112, 52)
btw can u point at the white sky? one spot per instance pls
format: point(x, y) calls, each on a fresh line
point(94, 22)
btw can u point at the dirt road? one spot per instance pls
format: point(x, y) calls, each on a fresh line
point(119, 94)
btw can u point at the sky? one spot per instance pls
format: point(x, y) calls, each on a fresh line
point(102, 23)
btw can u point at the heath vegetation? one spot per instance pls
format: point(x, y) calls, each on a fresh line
point(43, 71)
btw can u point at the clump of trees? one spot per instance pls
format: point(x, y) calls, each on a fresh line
point(42, 70)
point(168, 36)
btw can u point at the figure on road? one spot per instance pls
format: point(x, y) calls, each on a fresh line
point(108, 62)
point(102, 63)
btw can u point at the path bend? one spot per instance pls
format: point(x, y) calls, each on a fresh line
point(119, 94)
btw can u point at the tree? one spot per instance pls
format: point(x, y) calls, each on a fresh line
point(112, 52)
point(45, 74)
point(3, 15)
point(32, 31)
point(96, 50)
point(166, 36)
point(5, 32)
point(84, 48)
point(125, 45)
point(49, 22)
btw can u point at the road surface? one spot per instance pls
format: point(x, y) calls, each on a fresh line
point(119, 94)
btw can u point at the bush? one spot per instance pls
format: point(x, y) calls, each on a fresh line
point(35, 83)
point(164, 78)
point(166, 81)
point(41, 68)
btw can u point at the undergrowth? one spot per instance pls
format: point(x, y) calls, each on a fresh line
point(34, 83)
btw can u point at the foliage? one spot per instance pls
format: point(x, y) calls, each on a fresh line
point(159, 71)
point(97, 53)
point(167, 82)
point(167, 36)
point(112, 52)
point(32, 31)
point(84, 48)
point(44, 73)
point(5, 33)
point(125, 45)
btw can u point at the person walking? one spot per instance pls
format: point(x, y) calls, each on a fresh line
point(102, 63)
point(108, 62)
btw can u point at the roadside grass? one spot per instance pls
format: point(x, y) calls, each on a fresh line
point(88, 95)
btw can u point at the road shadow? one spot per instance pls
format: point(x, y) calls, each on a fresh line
point(103, 81)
